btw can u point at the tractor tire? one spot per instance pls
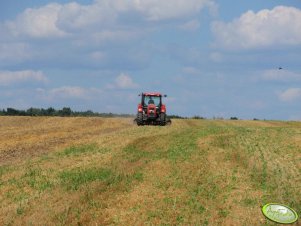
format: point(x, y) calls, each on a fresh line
point(139, 119)
point(162, 119)
point(168, 121)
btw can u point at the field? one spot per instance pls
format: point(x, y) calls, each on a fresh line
point(96, 171)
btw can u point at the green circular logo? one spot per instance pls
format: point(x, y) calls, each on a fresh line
point(279, 213)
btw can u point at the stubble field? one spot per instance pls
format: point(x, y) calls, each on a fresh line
point(97, 171)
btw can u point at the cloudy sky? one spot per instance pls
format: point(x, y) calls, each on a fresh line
point(212, 58)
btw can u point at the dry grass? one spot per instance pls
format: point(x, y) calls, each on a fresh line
point(94, 171)
point(25, 137)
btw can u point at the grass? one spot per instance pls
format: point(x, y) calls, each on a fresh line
point(82, 149)
point(194, 172)
point(73, 179)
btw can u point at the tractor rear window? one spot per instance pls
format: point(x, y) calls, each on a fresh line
point(152, 100)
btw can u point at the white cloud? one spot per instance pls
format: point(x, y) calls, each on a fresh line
point(38, 23)
point(114, 35)
point(216, 56)
point(124, 81)
point(57, 20)
point(74, 95)
point(191, 25)
point(14, 52)
point(280, 75)
point(290, 94)
point(107, 18)
point(37, 35)
point(159, 10)
point(69, 92)
point(11, 77)
point(73, 16)
point(156, 10)
point(279, 26)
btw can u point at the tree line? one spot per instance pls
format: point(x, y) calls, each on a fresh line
point(68, 112)
point(64, 112)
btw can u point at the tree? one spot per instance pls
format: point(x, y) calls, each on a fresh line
point(12, 111)
point(197, 117)
point(66, 111)
point(33, 112)
point(50, 111)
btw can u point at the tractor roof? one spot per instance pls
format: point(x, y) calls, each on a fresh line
point(152, 94)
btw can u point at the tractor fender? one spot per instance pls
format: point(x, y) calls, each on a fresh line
point(163, 108)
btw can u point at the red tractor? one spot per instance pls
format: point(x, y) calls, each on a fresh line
point(151, 110)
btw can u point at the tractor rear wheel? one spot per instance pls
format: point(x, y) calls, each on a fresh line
point(162, 119)
point(139, 119)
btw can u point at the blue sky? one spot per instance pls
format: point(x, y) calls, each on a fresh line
point(212, 58)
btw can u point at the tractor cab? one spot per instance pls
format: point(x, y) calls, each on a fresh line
point(149, 98)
